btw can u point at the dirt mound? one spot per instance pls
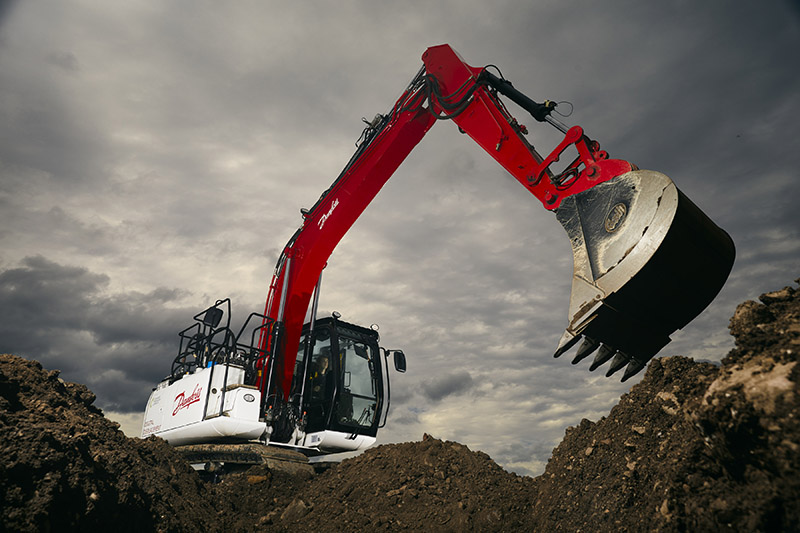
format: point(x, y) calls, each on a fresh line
point(431, 485)
point(692, 447)
point(64, 466)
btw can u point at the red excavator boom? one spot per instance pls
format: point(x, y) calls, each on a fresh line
point(647, 261)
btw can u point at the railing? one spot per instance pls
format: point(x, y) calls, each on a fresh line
point(206, 344)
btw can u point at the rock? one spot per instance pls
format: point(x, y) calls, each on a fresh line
point(296, 510)
point(783, 295)
point(748, 316)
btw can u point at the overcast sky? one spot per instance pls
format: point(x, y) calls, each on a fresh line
point(154, 157)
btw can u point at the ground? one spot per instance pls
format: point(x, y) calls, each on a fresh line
point(692, 447)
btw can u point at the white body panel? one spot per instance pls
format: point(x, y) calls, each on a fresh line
point(176, 412)
point(335, 441)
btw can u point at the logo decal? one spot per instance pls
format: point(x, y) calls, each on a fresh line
point(182, 401)
point(615, 217)
point(326, 215)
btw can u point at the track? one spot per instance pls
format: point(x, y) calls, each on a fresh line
point(245, 455)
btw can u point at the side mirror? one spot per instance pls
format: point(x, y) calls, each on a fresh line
point(399, 361)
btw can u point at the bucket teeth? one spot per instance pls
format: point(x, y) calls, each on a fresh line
point(586, 349)
point(633, 368)
point(606, 352)
point(620, 360)
point(569, 344)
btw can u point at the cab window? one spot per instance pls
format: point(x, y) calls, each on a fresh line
point(357, 398)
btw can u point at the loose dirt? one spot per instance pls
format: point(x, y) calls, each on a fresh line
point(692, 447)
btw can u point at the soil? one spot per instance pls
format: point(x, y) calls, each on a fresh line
point(692, 447)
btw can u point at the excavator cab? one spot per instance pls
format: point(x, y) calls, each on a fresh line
point(340, 384)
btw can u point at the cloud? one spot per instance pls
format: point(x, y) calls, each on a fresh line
point(64, 60)
point(524, 458)
point(447, 385)
point(64, 317)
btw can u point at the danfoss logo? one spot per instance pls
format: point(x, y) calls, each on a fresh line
point(182, 401)
point(326, 215)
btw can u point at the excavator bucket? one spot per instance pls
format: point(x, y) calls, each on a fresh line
point(647, 261)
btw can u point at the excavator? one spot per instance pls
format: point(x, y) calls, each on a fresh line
point(647, 261)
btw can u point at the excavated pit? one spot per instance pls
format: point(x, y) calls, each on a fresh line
point(692, 447)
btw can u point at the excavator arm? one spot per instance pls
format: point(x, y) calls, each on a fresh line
point(639, 244)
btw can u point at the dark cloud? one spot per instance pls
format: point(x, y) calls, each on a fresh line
point(5, 10)
point(449, 384)
point(64, 60)
point(404, 418)
point(64, 317)
point(42, 295)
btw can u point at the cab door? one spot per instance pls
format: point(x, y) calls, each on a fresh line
point(320, 380)
point(359, 389)
point(343, 387)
